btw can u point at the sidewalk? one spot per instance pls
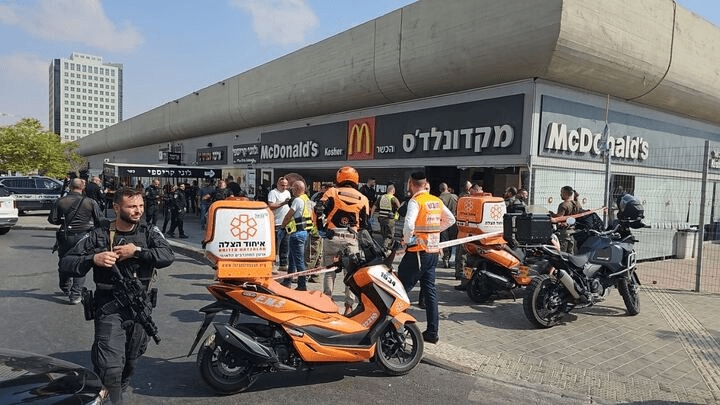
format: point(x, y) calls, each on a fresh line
point(669, 352)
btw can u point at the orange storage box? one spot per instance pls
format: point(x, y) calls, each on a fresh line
point(240, 239)
point(480, 213)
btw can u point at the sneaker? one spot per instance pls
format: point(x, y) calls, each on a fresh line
point(183, 236)
point(75, 300)
point(430, 337)
point(62, 293)
point(461, 287)
point(421, 305)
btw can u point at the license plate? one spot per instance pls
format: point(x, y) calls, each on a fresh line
point(468, 272)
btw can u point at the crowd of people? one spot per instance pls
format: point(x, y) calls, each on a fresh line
point(309, 232)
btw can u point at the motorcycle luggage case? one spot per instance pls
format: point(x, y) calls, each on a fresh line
point(480, 213)
point(527, 228)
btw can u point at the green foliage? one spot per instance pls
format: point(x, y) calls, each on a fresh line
point(26, 147)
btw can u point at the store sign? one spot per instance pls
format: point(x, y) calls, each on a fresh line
point(174, 158)
point(582, 141)
point(361, 139)
point(246, 154)
point(477, 128)
point(216, 155)
point(177, 172)
point(321, 142)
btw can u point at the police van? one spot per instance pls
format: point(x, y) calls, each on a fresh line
point(32, 192)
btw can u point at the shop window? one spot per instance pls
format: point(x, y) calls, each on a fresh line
point(621, 184)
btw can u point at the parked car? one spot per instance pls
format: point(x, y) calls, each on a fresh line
point(28, 378)
point(33, 192)
point(8, 212)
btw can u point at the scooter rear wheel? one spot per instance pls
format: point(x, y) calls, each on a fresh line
point(223, 369)
point(479, 289)
point(397, 353)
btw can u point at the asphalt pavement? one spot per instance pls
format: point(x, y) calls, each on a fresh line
point(670, 352)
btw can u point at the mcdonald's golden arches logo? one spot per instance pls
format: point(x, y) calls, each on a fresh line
point(361, 139)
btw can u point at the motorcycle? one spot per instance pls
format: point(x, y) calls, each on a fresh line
point(272, 328)
point(606, 259)
point(491, 266)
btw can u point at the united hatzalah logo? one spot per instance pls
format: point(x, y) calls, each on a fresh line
point(243, 227)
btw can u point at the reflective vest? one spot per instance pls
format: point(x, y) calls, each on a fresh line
point(386, 208)
point(307, 223)
point(347, 205)
point(427, 223)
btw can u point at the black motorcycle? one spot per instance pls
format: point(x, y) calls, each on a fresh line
point(607, 259)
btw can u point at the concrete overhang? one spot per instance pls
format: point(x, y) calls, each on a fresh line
point(652, 52)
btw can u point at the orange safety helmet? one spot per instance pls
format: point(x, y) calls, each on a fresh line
point(347, 174)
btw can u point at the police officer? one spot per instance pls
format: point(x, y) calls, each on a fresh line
point(178, 207)
point(153, 197)
point(345, 210)
point(387, 208)
point(426, 217)
point(76, 214)
point(136, 248)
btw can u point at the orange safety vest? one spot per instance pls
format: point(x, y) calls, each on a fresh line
point(347, 205)
point(427, 223)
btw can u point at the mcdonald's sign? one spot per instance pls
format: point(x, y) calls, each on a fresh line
point(361, 139)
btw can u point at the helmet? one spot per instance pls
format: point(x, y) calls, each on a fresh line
point(630, 208)
point(347, 174)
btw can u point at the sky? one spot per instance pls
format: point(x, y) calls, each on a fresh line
point(171, 48)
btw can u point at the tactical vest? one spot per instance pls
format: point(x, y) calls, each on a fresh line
point(427, 224)
point(347, 204)
point(386, 208)
point(307, 223)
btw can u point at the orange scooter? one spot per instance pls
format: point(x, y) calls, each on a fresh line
point(273, 328)
point(490, 265)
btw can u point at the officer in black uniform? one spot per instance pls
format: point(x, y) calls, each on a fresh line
point(177, 211)
point(77, 215)
point(137, 249)
point(153, 196)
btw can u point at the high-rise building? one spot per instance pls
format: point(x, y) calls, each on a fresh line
point(86, 95)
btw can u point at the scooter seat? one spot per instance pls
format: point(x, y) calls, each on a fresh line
point(314, 299)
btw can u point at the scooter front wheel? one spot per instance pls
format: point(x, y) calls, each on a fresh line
point(222, 368)
point(399, 352)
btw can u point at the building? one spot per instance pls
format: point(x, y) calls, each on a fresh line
point(85, 95)
point(502, 93)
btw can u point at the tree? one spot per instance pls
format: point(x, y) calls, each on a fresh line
point(26, 147)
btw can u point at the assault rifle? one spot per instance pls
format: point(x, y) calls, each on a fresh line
point(130, 294)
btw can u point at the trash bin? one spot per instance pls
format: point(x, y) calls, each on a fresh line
point(686, 243)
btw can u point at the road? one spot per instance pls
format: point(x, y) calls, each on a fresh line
point(38, 320)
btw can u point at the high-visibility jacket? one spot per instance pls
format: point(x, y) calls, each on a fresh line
point(427, 223)
point(386, 209)
point(307, 223)
point(347, 205)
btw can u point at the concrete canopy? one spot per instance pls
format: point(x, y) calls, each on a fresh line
point(652, 52)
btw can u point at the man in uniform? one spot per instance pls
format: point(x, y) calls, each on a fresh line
point(346, 211)
point(426, 217)
point(137, 249)
point(298, 223)
point(77, 215)
point(153, 197)
point(387, 208)
point(95, 191)
point(569, 206)
point(178, 208)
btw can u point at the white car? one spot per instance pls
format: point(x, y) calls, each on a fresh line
point(8, 211)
